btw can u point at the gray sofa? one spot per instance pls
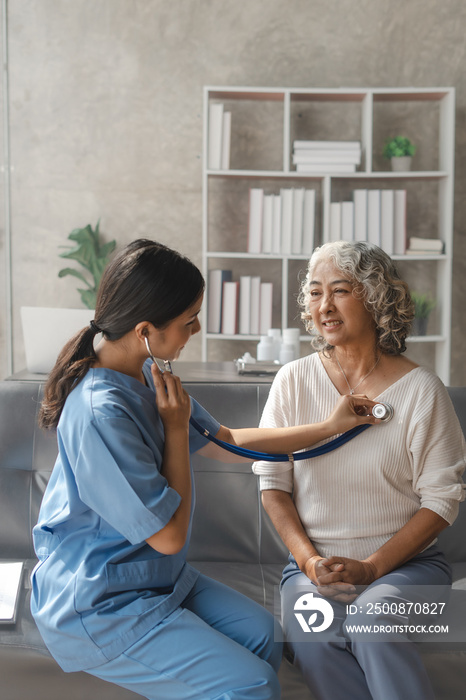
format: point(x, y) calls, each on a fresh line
point(233, 542)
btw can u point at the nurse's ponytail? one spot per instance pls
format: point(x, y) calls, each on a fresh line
point(146, 281)
point(72, 364)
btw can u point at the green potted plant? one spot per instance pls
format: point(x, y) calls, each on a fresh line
point(93, 256)
point(46, 330)
point(423, 306)
point(399, 151)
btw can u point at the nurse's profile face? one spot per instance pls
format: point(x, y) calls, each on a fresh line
point(167, 343)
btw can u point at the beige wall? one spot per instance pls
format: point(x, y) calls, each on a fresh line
point(106, 112)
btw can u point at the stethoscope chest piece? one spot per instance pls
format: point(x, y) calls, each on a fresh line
point(383, 411)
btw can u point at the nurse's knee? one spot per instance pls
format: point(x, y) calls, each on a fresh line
point(269, 641)
point(268, 686)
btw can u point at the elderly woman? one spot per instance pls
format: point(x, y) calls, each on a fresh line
point(361, 522)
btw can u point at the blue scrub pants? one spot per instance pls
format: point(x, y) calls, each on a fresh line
point(343, 666)
point(219, 645)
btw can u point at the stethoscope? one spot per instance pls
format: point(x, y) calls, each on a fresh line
point(382, 411)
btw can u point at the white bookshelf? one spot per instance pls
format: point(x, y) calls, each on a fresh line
point(261, 157)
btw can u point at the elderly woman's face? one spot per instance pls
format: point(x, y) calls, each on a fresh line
point(338, 315)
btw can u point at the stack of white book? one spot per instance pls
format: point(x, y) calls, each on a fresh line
point(219, 138)
point(281, 224)
point(425, 246)
point(243, 306)
point(326, 156)
point(377, 216)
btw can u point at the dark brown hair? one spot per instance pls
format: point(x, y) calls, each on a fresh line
point(145, 281)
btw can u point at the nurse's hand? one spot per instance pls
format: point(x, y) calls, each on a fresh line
point(350, 412)
point(172, 401)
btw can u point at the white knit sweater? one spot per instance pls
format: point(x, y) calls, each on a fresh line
point(352, 500)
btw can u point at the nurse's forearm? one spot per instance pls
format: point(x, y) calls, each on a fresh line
point(176, 470)
point(281, 440)
point(349, 412)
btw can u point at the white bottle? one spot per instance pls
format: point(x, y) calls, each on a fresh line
point(276, 334)
point(265, 349)
point(291, 337)
point(287, 353)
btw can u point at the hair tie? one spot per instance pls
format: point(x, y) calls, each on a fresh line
point(95, 327)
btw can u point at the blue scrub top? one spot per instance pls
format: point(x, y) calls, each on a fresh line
point(98, 586)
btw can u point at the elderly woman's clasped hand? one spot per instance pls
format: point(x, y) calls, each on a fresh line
point(337, 577)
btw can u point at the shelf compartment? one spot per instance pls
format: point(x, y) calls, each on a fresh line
point(422, 201)
point(418, 119)
point(319, 116)
point(228, 210)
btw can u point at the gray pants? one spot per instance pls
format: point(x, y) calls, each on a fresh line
point(341, 663)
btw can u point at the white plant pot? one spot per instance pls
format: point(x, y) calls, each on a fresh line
point(401, 164)
point(45, 332)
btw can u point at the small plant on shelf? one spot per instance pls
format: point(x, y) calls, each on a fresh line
point(93, 256)
point(423, 306)
point(398, 147)
point(399, 151)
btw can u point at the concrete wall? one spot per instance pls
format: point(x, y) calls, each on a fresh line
point(106, 112)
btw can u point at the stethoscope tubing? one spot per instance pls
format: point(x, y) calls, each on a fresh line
point(255, 455)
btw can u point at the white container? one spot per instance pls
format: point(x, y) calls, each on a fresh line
point(265, 349)
point(291, 337)
point(287, 353)
point(276, 334)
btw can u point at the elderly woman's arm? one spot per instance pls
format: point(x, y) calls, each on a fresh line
point(413, 537)
point(281, 509)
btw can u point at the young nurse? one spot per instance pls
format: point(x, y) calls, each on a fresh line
point(112, 593)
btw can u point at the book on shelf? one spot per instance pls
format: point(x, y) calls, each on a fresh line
point(360, 215)
point(281, 224)
point(326, 157)
point(255, 305)
point(277, 224)
point(347, 221)
point(377, 216)
point(219, 137)
point(309, 216)
point(226, 141)
point(287, 220)
point(11, 573)
point(373, 217)
point(256, 208)
point(245, 305)
point(313, 168)
point(425, 246)
point(387, 230)
point(215, 135)
point(297, 225)
point(215, 281)
point(266, 306)
point(267, 224)
point(399, 223)
point(230, 308)
point(317, 157)
point(332, 145)
point(334, 233)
